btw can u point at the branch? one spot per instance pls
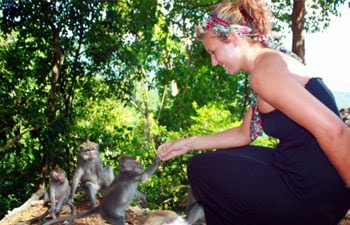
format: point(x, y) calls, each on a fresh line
point(15, 139)
point(35, 199)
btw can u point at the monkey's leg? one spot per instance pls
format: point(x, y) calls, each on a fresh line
point(92, 190)
point(194, 213)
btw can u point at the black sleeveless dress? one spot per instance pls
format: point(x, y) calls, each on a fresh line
point(292, 184)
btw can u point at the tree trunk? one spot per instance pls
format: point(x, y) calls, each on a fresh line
point(57, 62)
point(297, 17)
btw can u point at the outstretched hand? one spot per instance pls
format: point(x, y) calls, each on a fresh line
point(171, 149)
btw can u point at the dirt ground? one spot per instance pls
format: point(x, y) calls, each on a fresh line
point(135, 215)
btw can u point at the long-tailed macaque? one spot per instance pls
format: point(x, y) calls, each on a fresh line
point(164, 217)
point(195, 211)
point(120, 193)
point(57, 193)
point(91, 172)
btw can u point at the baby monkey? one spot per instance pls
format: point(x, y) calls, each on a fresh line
point(120, 193)
point(57, 193)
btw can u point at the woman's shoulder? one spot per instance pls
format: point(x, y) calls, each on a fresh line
point(270, 59)
point(270, 63)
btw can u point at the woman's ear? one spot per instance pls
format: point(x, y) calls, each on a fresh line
point(234, 38)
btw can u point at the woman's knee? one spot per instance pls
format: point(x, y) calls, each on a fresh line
point(199, 165)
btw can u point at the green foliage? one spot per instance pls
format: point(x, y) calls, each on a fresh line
point(317, 15)
point(211, 118)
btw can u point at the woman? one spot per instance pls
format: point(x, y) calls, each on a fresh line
point(301, 181)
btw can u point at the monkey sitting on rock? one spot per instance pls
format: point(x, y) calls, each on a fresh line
point(57, 193)
point(120, 193)
point(90, 171)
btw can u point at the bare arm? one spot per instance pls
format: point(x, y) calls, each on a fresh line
point(276, 86)
point(234, 137)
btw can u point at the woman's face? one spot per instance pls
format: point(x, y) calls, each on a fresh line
point(226, 54)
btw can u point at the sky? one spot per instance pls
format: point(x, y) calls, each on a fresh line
point(327, 52)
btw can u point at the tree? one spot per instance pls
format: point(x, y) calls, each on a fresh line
point(53, 51)
point(305, 16)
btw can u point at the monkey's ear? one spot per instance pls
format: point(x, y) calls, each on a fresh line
point(97, 146)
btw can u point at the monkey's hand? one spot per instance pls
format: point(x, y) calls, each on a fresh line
point(143, 203)
point(71, 201)
point(157, 160)
point(150, 171)
point(53, 212)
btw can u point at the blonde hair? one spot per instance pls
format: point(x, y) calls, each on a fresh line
point(250, 13)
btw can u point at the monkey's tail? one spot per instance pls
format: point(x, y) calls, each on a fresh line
point(70, 218)
point(33, 220)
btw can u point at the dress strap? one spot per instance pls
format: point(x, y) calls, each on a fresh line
point(256, 129)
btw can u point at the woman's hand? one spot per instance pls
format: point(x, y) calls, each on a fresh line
point(174, 148)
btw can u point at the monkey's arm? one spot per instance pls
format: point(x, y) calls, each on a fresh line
point(142, 198)
point(63, 197)
point(76, 178)
point(47, 197)
point(106, 177)
point(53, 202)
point(150, 171)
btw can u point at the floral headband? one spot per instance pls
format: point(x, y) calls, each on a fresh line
point(221, 26)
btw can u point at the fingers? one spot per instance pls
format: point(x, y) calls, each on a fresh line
point(161, 152)
point(170, 150)
point(170, 155)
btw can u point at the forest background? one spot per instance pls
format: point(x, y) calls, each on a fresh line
point(126, 74)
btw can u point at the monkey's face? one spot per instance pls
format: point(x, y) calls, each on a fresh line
point(130, 164)
point(88, 153)
point(58, 176)
point(88, 150)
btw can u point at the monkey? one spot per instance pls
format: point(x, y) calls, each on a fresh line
point(58, 191)
point(120, 193)
point(164, 217)
point(90, 171)
point(195, 215)
point(195, 211)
